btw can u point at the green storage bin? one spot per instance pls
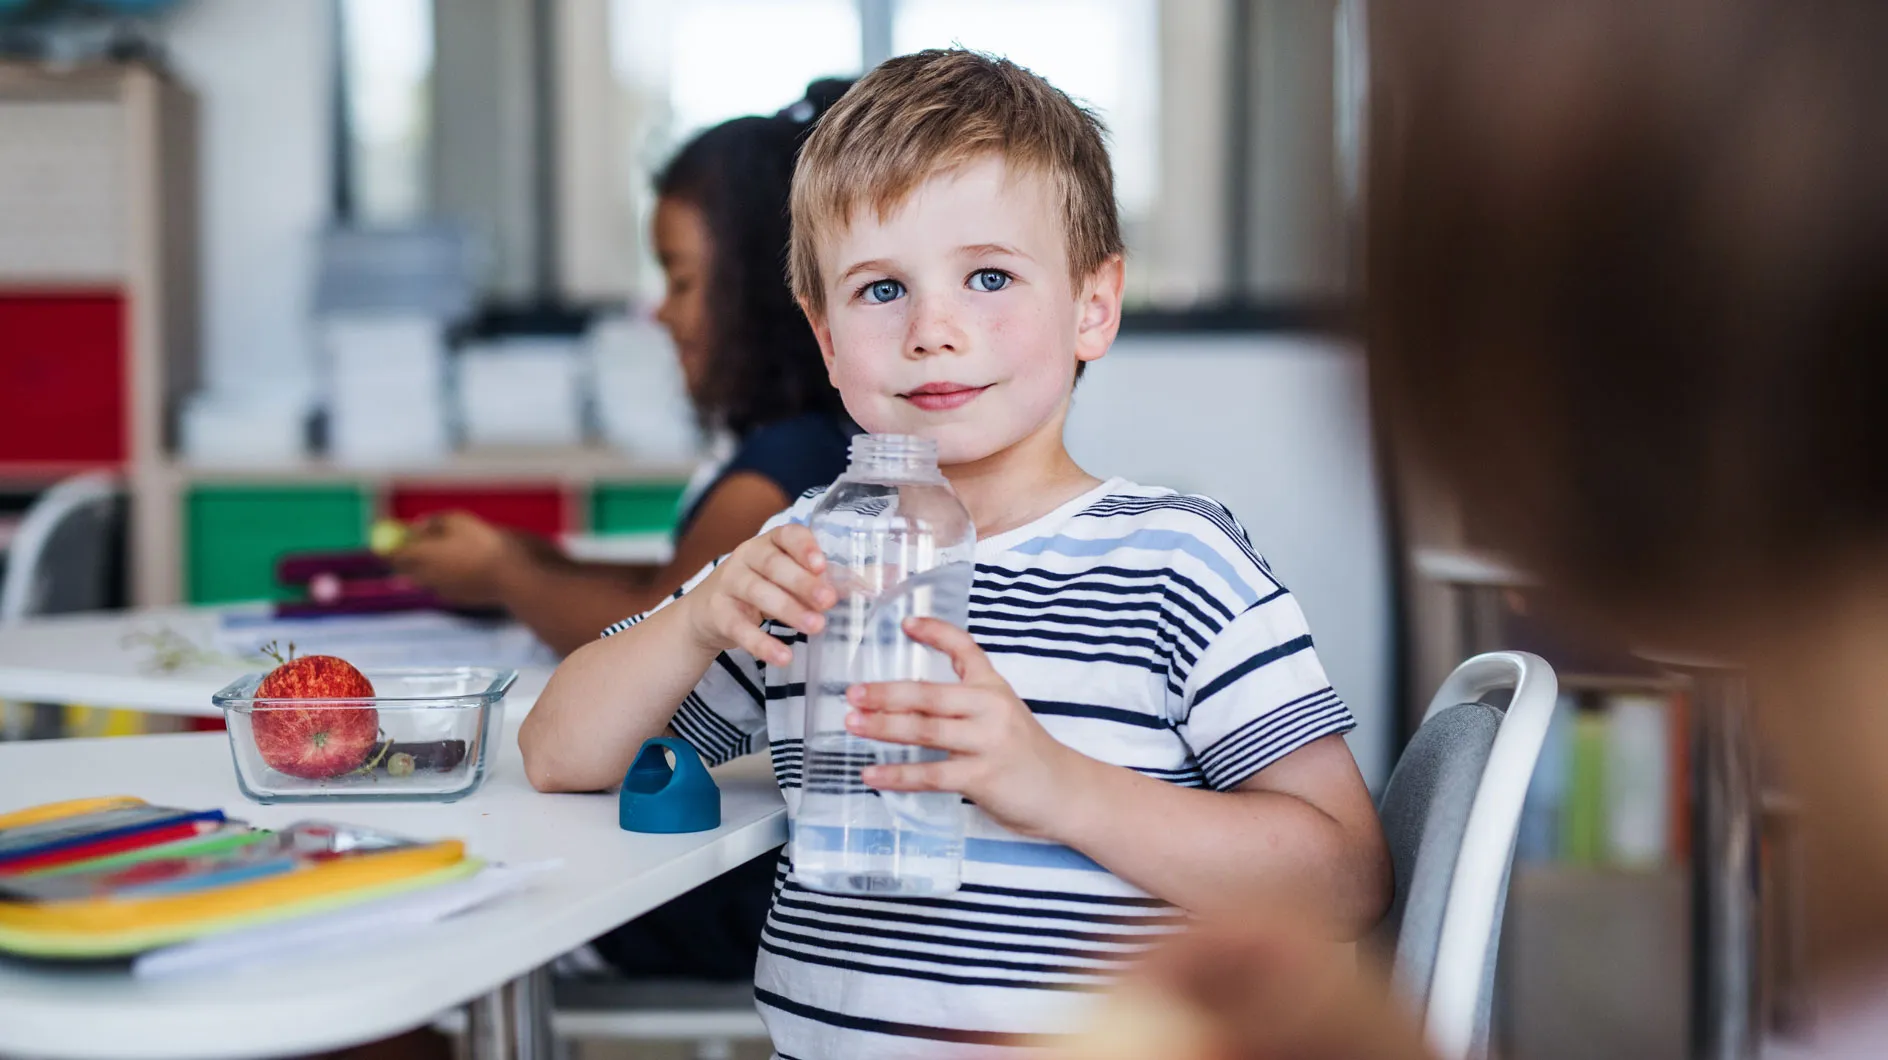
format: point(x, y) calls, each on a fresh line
point(235, 534)
point(635, 507)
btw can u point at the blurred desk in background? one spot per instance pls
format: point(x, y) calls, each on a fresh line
point(157, 661)
point(652, 549)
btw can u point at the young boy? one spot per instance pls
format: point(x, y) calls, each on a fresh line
point(1142, 727)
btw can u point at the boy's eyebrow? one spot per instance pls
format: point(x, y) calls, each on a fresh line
point(994, 248)
point(873, 265)
point(972, 250)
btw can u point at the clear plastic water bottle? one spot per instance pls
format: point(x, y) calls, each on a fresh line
point(898, 545)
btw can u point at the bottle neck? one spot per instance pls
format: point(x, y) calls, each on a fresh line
point(902, 456)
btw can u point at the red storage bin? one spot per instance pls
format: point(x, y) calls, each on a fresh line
point(62, 378)
point(538, 509)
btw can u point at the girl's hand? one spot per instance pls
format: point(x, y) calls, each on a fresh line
point(463, 558)
point(1001, 756)
point(778, 575)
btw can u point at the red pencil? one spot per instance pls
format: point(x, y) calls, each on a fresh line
point(118, 844)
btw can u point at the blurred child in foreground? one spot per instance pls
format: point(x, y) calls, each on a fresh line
point(1628, 298)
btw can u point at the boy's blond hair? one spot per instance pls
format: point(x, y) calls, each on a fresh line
point(919, 115)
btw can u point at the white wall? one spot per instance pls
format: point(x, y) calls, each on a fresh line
point(263, 77)
point(1276, 429)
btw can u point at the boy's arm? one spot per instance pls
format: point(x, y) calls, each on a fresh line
point(607, 698)
point(565, 603)
point(610, 696)
point(1303, 826)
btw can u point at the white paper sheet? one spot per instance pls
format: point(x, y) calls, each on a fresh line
point(422, 638)
point(342, 929)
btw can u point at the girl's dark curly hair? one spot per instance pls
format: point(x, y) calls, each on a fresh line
point(763, 363)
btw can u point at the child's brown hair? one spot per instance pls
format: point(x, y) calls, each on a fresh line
point(1628, 285)
point(919, 115)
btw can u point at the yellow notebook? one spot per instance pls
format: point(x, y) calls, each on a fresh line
point(58, 943)
point(150, 897)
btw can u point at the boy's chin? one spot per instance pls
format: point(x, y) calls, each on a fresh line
point(966, 443)
point(957, 443)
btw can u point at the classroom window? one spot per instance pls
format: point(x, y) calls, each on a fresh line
point(678, 69)
point(686, 67)
point(387, 65)
point(1231, 123)
point(1103, 53)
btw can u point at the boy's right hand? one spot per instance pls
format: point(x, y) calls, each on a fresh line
point(779, 575)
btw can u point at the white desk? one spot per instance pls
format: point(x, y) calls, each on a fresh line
point(85, 658)
point(609, 877)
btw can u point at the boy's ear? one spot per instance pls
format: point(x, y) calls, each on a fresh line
point(1100, 310)
point(823, 334)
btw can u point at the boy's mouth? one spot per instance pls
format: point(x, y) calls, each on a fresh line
point(942, 397)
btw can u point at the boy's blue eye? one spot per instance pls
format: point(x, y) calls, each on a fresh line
point(881, 291)
point(989, 280)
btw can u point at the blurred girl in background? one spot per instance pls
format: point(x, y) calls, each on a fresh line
point(752, 370)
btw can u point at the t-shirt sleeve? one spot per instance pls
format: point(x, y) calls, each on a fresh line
point(725, 715)
point(1257, 691)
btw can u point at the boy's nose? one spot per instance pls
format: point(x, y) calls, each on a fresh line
point(932, 330)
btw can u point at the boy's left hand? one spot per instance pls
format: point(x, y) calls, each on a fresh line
point(1001, 757)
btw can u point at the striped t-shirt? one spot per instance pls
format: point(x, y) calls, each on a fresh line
point(1142, 629)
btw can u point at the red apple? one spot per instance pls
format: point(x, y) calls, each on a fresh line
point(319, 740)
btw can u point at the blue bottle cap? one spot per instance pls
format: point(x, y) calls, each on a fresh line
point(659, 798)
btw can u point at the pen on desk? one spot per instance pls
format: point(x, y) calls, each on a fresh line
point(115, 841)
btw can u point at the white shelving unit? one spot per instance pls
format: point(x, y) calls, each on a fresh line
point(98, 201)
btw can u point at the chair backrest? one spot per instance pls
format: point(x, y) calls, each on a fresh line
point(1425, 811)
point(1451, 810)
point(61, 558)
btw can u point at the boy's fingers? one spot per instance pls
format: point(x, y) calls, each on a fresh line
point(971, 663)
point(922, 730)
point(797, 541)
point(762, 646)
point(915, 776)
point(774, 602)
point(929, 697)
point(740, 621)
point(784, 570)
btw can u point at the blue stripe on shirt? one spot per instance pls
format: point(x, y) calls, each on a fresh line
point(1150, 540)
point(986, 851)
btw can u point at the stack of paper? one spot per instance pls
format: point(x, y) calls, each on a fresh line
point(642, 403)
point(386, 387)
point(368, 923)
point(522, 391)
point(249, 428)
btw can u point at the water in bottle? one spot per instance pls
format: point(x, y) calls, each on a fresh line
point(898, 545)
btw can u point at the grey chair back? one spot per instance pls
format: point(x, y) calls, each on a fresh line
point(64, 554)
point(1425, 810)
point(63, 558)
